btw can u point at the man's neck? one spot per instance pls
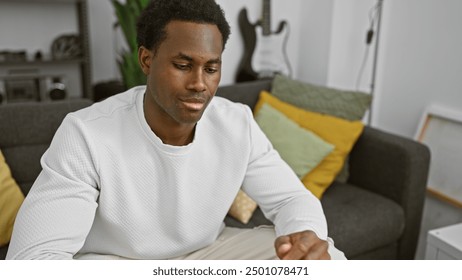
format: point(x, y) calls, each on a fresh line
point(169, 131)
point(177, 136)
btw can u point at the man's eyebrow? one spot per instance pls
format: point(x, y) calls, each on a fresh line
point(190, 59)
point(184, 56)
point(214, 61)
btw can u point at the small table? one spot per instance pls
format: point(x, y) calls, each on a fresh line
point(444, 243)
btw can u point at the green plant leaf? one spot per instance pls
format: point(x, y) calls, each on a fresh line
point(127, 15)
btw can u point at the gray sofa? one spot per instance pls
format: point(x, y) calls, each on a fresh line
point(375, 215)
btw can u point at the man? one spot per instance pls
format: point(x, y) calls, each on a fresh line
point(151, 173)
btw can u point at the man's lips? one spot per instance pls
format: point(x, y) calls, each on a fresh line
point(195, 104)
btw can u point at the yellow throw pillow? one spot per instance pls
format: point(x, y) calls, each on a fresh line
point(339, 132)
point(242, 208)
point(11, 199)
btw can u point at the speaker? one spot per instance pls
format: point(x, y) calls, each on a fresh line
point(57, 89)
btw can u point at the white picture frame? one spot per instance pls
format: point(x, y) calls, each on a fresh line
point(440, 128)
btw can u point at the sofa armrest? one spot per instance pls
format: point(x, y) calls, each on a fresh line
point(397, 168)
point(27, 133)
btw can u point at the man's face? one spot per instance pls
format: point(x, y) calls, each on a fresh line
point(184, 72)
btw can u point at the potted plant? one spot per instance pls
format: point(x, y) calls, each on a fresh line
point(127, 14)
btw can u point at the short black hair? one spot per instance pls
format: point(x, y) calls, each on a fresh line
point(155, 17)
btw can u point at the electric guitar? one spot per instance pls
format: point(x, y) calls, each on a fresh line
point(264, 50)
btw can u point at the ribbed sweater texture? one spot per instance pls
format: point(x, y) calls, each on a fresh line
point(110, 186)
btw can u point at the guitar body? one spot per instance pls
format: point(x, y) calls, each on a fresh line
point(269, 57)
point(264, 51)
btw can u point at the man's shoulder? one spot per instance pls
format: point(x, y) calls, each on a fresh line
point(222, 105)
point(115, 104)
point(225, 114)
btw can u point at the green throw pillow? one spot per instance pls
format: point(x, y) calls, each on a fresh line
point(349, 105)
point(300, 148)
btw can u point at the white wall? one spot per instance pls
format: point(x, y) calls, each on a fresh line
point(22, 25)
point(420, 62)
point(315, 39)
point(104, 42)
point(350, 22)
point(333, 44)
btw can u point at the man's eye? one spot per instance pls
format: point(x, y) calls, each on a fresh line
point(211, 70)
point(181, 66)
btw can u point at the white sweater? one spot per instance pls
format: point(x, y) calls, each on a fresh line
point(110, 186)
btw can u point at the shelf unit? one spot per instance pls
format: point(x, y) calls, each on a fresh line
point(83, 62)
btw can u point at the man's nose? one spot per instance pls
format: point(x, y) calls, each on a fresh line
point(196, 81)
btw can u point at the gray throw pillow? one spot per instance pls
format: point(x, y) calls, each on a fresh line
point(350, 105)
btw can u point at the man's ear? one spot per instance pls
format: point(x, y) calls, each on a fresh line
point(144, 58)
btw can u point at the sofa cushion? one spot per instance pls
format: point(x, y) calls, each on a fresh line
point(242, 208)
point(349, 105)
point(339, 132)
point(300, 148)
point(359, 220)
point(11, 199)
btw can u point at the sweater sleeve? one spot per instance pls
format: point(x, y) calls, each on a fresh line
point(58, 212)
point(280, 194)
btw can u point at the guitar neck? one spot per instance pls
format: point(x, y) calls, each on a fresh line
point(266, 18)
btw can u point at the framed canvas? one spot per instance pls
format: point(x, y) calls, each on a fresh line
point(440, 129)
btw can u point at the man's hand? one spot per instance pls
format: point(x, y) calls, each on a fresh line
point(303, 245)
